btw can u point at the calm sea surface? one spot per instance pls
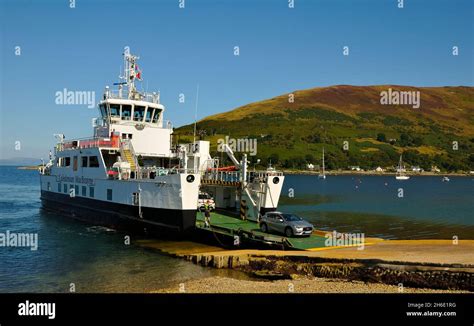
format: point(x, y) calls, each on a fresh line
point(419, 208)
point(95, 259)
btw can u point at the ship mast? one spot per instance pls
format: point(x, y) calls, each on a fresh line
point(131, 73)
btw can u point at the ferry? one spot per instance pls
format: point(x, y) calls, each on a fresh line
point(131, 175)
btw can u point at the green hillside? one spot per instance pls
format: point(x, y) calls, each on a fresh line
point(291, 134)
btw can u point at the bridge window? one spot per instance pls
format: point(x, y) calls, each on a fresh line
point(84, 191)
point(84, 161)
point(59, 186)
point(93, 162)
point(126, 112)
point(138, 113)
point(76, 190)
point(65, 188)
point(114, 110)
point(148, 113)
point(156, 115)
point(103, 112)
point(67, 161)
point(91, 192)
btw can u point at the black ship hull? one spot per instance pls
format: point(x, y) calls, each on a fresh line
point(157, 221)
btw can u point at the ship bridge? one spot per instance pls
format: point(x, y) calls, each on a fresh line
point(133, 116)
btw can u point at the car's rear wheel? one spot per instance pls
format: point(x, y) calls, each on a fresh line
point(289, 232)
point(264, 227)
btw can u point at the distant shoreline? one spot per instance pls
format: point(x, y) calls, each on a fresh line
point(374, 173)
point(29, 167)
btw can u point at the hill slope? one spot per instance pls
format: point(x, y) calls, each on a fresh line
point(293, 133)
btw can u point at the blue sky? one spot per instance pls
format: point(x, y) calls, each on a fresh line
point(281, 50)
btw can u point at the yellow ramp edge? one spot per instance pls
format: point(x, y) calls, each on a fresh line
point(339, 247)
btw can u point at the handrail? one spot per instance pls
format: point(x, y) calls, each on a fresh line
point(126, 144)
point(123, 95)
point(235, 176)
point(89, 143)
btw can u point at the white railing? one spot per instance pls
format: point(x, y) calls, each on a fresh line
point(228, 176)
point(88, 143)
point(236, 176)
point(153, 172)
point(123, 95)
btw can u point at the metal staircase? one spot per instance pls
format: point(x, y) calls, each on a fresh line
point(128, 154)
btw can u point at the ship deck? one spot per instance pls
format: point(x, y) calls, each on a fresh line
point(249, 233)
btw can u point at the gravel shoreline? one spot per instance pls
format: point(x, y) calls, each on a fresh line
point(301, 285)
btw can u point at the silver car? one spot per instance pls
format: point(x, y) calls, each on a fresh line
point(288, 224)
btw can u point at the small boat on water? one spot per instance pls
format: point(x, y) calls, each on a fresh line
point(322, 174)
point(445, 179)
point(400, 171)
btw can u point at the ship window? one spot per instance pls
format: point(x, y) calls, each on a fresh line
point(75, 163)
point(91, 192)
point(138, 113)
point(156, 115)
point(93, 162)
point(67, 161)
point(84, 161)
point(102, 110)
point(126, 112)
point(65, 188)
point(84, 191)
point(59, 186)
point(109, 194)
point(76, 190)
point(114, 110)
point(148, 114)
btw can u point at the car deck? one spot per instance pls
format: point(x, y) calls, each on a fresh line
point(249, 232)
